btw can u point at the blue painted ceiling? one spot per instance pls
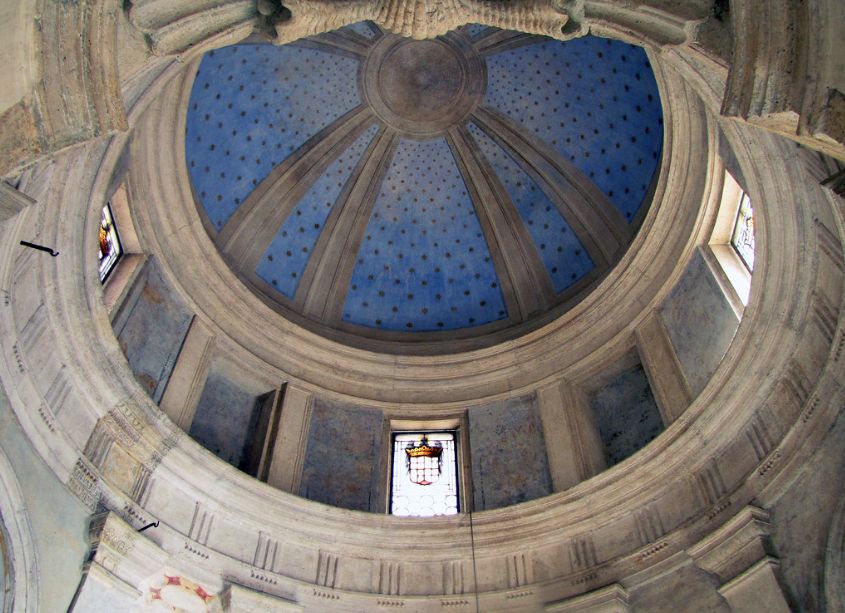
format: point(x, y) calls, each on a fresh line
point(424, 263)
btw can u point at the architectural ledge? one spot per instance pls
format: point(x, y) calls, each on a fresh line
point(736, 546)
point(12, 201)
point(244, 600)
point(756, 589)
point(610, 599)
point(127, 571)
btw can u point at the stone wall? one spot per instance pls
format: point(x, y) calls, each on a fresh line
point(226, 418)
point(151, 326)
point(509, 462)
point(700, 322)
point(679, 502)
point(342, 457)
point(626, 414)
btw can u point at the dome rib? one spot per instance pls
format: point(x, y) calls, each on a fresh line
point(494, 222)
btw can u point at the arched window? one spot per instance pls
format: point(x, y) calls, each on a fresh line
point(109, 246)
point(731, 249)
point(742, 239)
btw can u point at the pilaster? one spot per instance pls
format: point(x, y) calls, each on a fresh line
point(573, 446)
point(740, 555)
point(186, 383)
point(288, 450)
point(12, 201)
point(610, 599)
point(671, 389)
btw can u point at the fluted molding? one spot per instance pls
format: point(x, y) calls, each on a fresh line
point(779, 77)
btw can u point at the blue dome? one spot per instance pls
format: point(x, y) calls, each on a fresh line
point(368, 185)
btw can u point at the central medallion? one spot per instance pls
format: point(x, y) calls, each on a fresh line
point(422, 88)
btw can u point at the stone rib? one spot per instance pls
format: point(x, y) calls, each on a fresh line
point(525, 283)
point(321, 293)
point(251, 229)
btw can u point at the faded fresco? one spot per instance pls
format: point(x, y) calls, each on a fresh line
point(343, 456)
point(151, 327)
point(509, 462)
point(626, 414)
point(700, 322)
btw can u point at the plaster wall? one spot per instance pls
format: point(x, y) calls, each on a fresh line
point(509, 461)
point(226, 417)
point(17, 49)
point(151, 326)
point(700, 322)
point(802, 519)
point(59, 521)
point(626, 414)
point(342, 457)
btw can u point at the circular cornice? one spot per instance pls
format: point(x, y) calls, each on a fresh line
point(340, 289)
point(370, 370)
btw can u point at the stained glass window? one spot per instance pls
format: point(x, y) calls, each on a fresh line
point(425, 474)
point(742, 239)
point(109, 247)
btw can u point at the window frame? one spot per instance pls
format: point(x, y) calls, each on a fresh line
point(107, 208)
point(118, 284)
point(459, 427)
point(725, 263)
point(743, 198)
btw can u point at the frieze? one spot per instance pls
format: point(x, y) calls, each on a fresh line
point(653, 550)
point(47, 418)
point(195, 550)
point(455, 603)
point(326, 595)
point(118, 540)
point(85, 485)
point(326, 569)
point(262, 577)
point(390, 603)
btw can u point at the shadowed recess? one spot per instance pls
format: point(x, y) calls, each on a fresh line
point(473, 30)
point(595, 101)
point(283, 262)
point(564, 256)
point(251, 107)
point(367, 29)
point(424, 263)
point(626, 414)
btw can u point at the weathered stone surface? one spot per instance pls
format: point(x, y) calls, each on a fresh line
point(753, 437)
